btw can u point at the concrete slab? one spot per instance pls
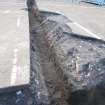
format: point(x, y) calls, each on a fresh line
point(14, 45)
point(88, 20)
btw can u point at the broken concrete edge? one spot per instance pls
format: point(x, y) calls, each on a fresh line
point(73, 33)
point(14, 88)
point(50, 12)
point(85, 37)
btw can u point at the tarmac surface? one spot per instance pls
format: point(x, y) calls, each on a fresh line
point(87, 20)
point(15, 45)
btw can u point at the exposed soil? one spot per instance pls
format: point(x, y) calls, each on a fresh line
point(53, 77)
point(48, 85)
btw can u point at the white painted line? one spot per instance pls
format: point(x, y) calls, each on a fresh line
point(86, 30)
point(14, 68)
point(18, 22)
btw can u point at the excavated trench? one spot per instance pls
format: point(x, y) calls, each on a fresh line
point(72, 66)
point(47, 85)
point(55, 92)
point(66, 69)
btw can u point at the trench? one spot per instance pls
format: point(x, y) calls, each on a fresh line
point(49, 85)
point(49, 39)
point(52, 75)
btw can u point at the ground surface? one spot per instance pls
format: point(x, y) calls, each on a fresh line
point(14, 47)
point(87, 19)
point(48, 85)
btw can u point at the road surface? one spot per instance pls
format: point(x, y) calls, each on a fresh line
point(14, 45)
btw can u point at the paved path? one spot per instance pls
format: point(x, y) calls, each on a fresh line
point(14, 45)
point(86, 19)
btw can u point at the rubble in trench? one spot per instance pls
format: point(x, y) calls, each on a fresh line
point(66, 69)
point(80, 59)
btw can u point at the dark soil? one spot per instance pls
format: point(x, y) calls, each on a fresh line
point(47, 86)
